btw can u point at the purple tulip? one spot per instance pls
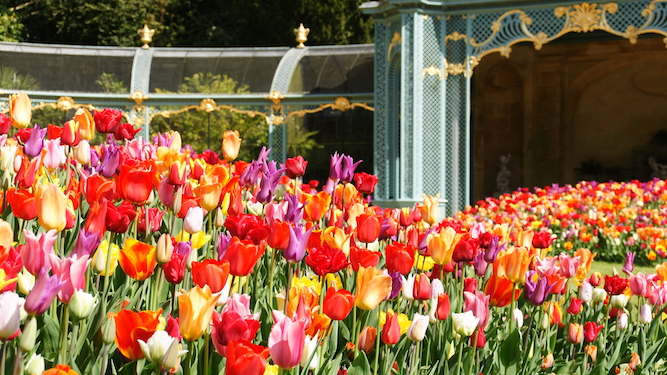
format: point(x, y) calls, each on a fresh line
point(349, 166)
point(223, 245)
point(335, 167)
point(109, 161)
point(35, 143)
point(43, 293)
point(270, 177)
point(294, 212)
point(494, 248)
point(298, 240)
point(537, 292)
point(396, 284)
point(629, 262)
point(86, 243)
point(480, 264)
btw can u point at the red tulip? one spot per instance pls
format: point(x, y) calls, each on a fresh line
point(363, 257)
point(575, 306)
point(118, 219)
point(365, 182)
point(245, 359)
point(591, 331)
point(325, 259)
point(242, 256)
point(174, 269)
point(444, 307)
point(230, 326)
point(368, 228)
point(421, 288)
point(337, 303)
point(247, 227)
point(23, 203)
point(135, 181)
point(615, 285)
point(295, 167)
point(212, 273)
point(400, 257)
point(391, 330)
point(279, 236)
point(107, 120)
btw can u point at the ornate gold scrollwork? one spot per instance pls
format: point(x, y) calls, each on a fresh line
point(396, 39)
point(341, 104)
point(431, 71)
point(65, 103)
point(138, 96)
point(207, 105)
point(456, 36)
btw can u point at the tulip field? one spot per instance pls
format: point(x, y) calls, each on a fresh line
point(144, 257)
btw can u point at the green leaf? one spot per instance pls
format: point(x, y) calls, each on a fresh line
point(49, 335)
point(360, 366)
point(333, 365)
point(508, 353)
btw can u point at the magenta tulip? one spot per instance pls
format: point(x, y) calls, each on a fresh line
point(43, 293)
point(37, 250)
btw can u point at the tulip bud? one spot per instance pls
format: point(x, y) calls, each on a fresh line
point(82, 153)
point(544, 322)
point(464, 323)
point(575, 333)
point(645, 315)
point(310, 349)
point(194, 220)
point(256, 208)
point(219, 218)
point(451, 350)
point(367, 339)
point(192, 257)
point(35, 365)
point(161, 349)
point(109, 331)
point(517, 316)
point(82, 304)
point(619, 301)
point(622, 322)
point(548, 361)
point(599, 295)
point(586, 292)
point(28, 336)
point(26, 281)
point(164, 249)
point(417, 330)
point(231, 144)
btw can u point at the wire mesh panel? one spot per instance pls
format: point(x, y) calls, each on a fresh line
point(380, 126)
point(431, 147)
point(407, 106)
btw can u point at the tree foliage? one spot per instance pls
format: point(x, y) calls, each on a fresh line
point(204, 130)
point(186, 22)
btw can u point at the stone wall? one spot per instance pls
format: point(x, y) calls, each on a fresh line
point(573, 110)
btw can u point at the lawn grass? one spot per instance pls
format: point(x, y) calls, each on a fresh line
point(607, 268)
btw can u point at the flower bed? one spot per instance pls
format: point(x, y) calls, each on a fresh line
point(135, 257)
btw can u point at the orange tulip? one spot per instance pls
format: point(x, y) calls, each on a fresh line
point(337, 303)
point(336, 237)
point(441, 245)
point(575, 333)
point(211, 273)
point(231, 144)
point(20, 109)
point(499, 288)
point(513, 264)
point(137, 259)
point(243, 255)
point(134, 326)
point(195, 309)
point(51, 207)
point(372, 288)
point(315, 205)
point(429, 209)
point(60, 370)
point(306, 296)
point(661, 270)
point(86, 123)
point(97, 187)
point(210, 193)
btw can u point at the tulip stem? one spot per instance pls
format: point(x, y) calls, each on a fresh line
point(289, 285)
point(72, 346)
point(207, 339)
point(103, 367)
point(460, 355)
point(3, 357)
point(63, 334)
point(512, 306)
point(377, 345)
point(355, 334)
point(18, 363)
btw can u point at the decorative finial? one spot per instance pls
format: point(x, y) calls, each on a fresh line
point(146, 36)
point(301, 35)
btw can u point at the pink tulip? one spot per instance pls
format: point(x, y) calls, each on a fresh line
point(37, 250)
point(639, 284)
point(568, 265)
point(546, 266)
point(478, 304)
point(286, 341)
point(55, 154)
point(72, 271)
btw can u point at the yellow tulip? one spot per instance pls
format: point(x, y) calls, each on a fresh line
point(20, 108)
point(513, 264)
point(6, 238)
point(195, 310)
point(100, 258)
point(373, 287)
point(51, 207)
point(442, 244)
point(231, 144)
